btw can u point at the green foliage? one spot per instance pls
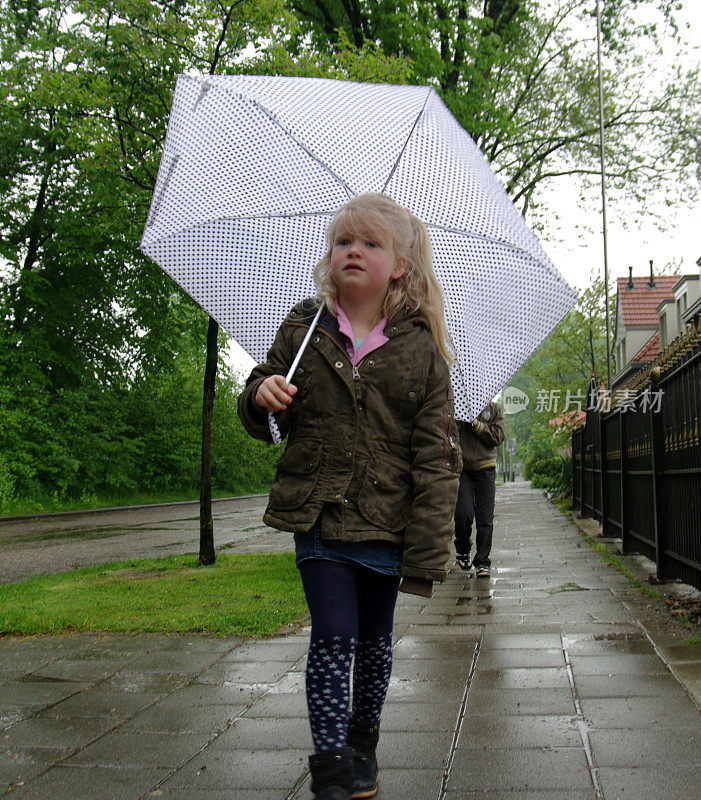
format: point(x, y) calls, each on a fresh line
point(110, 441)
point(541, 456)
point(253, 594)
point(7, 485)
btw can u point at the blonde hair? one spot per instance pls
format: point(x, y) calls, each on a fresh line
point(417, 290)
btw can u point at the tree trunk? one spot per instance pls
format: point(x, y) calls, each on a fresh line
point(207, 554)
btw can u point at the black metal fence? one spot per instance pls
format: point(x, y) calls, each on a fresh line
point(637, 467)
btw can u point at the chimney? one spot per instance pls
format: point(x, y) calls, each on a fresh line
point(630, 284)
point(651, 283)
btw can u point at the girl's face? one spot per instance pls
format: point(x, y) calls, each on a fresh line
point(363, 266)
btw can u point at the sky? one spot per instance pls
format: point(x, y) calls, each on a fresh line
point(575, 242)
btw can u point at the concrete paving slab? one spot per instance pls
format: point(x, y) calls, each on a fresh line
point(414, 749)
point(432, 669)
point(627, 685)
point(524, 678)
point(38, 694)
point(558, 794)
point(21, 764)
point(96, 703)
point(509, 659)
point(507, 702)
point(440, 715)
point(526, 641)
point(233, 672)
point(178, 719)
point(128, 748)
point(273, 706)
point(218, 794)
point(97, 783)
point(254, 734)
point(521, 769)
point(155, 684)
point(409, 646)
point(621, 664)
point(408, 784)
point(485, 732)
point(642, 748)
point(424, 692)
point(67, 734)
point(619, 783)
point(675, 711)
point(240, 769)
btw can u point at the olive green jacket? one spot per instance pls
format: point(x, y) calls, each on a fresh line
point(479, 440)
point(373, 449)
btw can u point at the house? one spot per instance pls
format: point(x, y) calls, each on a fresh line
point(677, 311)
point(637, 322)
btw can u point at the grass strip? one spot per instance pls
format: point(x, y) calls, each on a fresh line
point(244, 594)
point(615, 561)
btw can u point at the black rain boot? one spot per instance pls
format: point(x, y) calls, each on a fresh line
point(332, 774)
point(363, 740)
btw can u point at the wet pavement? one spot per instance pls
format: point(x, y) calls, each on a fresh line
point(55, 543)
point(553, 679)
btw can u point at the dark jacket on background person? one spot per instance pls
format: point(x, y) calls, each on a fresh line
point(479, 442)
point(372, 449)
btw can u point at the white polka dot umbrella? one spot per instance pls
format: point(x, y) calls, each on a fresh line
point(254, 167)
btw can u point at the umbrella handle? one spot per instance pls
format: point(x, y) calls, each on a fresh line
point(272, 422)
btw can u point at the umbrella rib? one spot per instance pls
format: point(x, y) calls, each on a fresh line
point(404, 146)
point(516, 248)
point(155, 208)
point(316, 158)
point(242, 218)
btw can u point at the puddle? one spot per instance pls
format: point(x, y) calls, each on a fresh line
point(568, 587)
point(468, 598)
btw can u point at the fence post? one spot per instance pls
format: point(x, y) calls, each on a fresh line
point(657, 456)
point(602, 459)
point(623, 445)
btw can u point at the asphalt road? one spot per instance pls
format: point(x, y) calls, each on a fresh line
point(54, 544)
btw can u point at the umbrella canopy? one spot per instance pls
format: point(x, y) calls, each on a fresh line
point(254, 167)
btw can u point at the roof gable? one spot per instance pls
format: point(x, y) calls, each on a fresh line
point(638, 305)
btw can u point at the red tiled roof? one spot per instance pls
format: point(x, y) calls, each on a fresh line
point(649, 350)
point(639, 304)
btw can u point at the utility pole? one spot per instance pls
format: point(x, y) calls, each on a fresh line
point(602, 152)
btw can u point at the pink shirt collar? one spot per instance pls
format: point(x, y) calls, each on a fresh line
point(376, 338)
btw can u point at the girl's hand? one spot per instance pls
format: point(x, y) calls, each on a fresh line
point(275, 394)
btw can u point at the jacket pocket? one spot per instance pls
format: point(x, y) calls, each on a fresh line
point(297, 474)
point(385, 497)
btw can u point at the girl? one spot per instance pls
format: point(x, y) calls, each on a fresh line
point(369, 476)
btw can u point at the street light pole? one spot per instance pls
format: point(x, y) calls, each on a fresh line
point(602, 151)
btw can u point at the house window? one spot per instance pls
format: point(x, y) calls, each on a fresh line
point(681, 308)
point(663, 331)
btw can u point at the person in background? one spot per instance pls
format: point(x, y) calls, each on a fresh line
point(478, 441)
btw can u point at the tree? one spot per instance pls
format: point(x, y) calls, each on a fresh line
point(556, 376)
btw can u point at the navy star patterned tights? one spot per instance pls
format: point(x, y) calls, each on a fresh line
point(352, 610)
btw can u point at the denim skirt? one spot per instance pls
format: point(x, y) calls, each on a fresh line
point(375, 554)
